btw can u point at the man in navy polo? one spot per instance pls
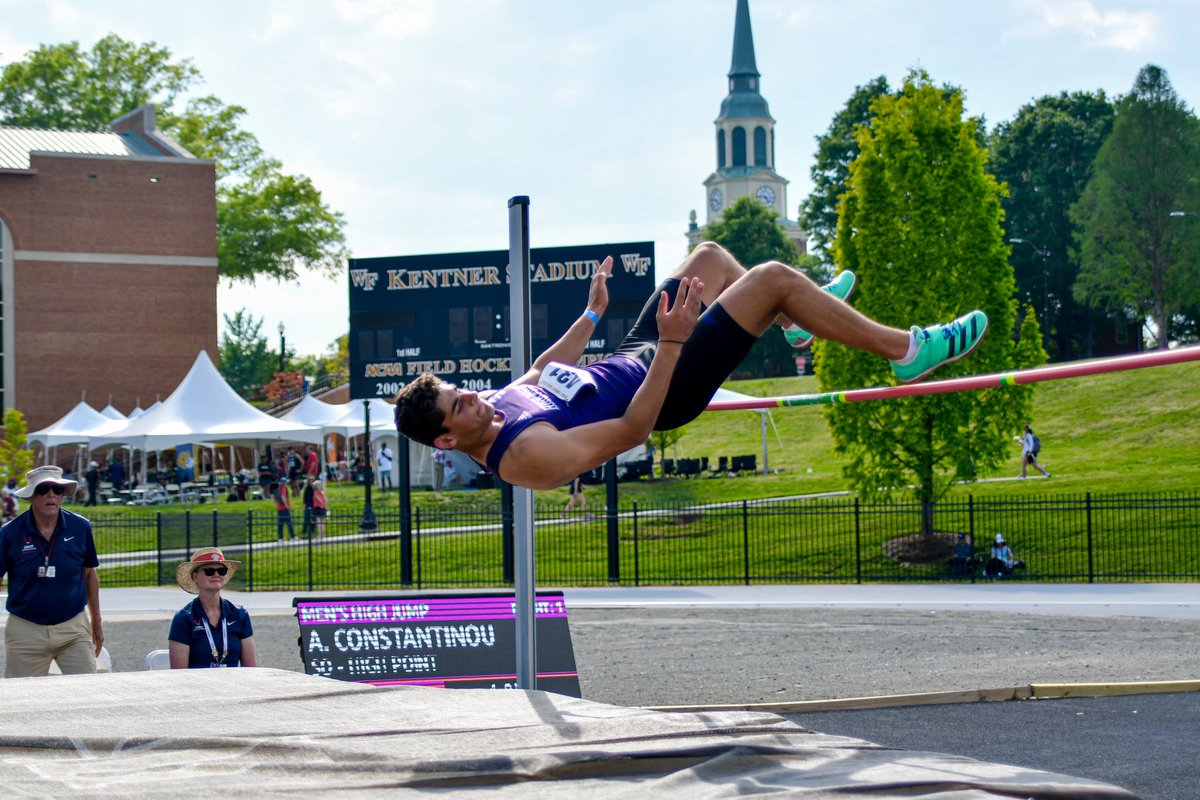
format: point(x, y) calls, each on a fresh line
point(50, 558)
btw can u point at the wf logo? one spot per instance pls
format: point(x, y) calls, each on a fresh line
point(364, 279)
point(632, 262)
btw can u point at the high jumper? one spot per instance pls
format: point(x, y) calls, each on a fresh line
point(559, 420)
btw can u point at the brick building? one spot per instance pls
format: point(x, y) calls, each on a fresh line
point(108, 266)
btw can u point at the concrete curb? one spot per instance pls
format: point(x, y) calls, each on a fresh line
point(1037, 691)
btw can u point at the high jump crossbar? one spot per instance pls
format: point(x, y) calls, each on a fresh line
point(1055, 372)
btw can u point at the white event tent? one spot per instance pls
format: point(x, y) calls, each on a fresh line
point(203, 408)
point(112, 413)
point(77, 426)
point(318, 413)
point(353, 421)
point(725, 395)
point(348, 420)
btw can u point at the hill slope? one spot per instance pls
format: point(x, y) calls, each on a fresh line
point(1122, 432)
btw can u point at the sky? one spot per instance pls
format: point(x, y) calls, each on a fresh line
point(419, 119)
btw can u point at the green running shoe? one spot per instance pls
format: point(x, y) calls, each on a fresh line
point(941, 344)
point(840, 287)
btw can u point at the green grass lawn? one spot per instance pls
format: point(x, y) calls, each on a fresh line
point(1123, 432)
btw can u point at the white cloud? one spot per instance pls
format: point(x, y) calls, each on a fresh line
point(394, 19)
point(1115, 28)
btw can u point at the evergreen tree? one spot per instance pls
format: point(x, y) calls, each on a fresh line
point(1134, 255)
point(920, 227)
point(1044, 155)
point(246, 362)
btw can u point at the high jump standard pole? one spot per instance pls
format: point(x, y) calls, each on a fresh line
point(522, 357)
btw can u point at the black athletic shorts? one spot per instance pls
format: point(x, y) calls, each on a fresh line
point(710, 355)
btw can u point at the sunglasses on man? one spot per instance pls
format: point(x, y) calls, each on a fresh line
point(46, 488)
point(210, 571)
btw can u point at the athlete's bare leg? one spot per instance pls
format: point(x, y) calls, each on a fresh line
point(756, 298)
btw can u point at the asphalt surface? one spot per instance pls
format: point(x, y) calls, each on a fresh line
point(743, 645)
point(1148, 744)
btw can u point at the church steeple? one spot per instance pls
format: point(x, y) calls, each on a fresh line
point(745, 141)
point(743, 71)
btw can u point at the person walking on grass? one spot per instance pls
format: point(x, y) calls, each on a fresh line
point(576, 497)
point(1031, 447)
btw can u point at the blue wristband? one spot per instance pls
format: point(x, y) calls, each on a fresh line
point(592, 315)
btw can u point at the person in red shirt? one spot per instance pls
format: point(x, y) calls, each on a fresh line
point(320, 507)
point(283, 510)
point(312, 463)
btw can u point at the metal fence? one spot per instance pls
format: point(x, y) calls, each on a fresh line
point(1092, 538)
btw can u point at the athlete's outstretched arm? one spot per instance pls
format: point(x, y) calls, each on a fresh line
point(543, 457)
point(571, 345)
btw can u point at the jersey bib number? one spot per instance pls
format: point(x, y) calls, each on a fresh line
point(565, 381)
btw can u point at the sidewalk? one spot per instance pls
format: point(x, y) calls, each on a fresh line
point(1179, 601)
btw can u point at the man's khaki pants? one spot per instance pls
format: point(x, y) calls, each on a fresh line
point(29, 647)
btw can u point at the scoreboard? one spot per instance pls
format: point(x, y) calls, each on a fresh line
point(447, 313)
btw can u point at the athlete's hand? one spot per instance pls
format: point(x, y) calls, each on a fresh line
point(677, 322)
point(598, 293)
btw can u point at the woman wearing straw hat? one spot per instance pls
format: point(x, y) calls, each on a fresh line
point(210, 631)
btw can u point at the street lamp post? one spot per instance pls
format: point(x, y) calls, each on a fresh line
point(367, 523)
point(1045, 280)
point(1185, 214)
point(282, 348)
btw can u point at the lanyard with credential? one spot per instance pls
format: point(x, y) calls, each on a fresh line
point(217, 662)
point(45, 570)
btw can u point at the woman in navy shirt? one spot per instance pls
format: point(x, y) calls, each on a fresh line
point(209, 631)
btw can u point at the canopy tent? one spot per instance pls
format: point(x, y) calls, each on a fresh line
point(204, 408)
point(311, 411)
point(725, 396)
point(383, 425)
point(112, 413)
point(77, 426)
point(353, 420)
point(137, 412)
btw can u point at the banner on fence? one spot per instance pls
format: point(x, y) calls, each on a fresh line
point(454, 641)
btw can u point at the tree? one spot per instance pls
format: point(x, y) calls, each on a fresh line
point(269, 223)
point(836, 149)
point(284, 386)
point(1045, 155)
point(15, 458)
point(1133, 254)
point(752, 233)
point(920, 227)
point(246, 362)
point(662, 440)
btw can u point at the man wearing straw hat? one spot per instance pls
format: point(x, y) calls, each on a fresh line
point(50, 558)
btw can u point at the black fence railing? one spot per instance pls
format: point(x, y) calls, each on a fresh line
point(1093, 538)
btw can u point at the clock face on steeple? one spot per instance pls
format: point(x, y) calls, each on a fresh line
point(715, 199)
point(767, 195)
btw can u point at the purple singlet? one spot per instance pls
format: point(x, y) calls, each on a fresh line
point(617, 380)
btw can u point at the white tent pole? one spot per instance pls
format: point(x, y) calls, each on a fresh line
point(762, 418)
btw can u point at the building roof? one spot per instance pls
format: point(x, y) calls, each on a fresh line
point(133, 134)
point(17, 143)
